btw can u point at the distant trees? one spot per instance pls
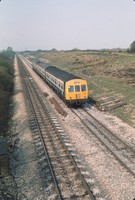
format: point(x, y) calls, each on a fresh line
point(132, 47)
point(54, 50)
point(9, 49)
point(9, 52)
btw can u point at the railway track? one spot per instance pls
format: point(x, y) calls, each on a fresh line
point(60, 173)
point(122, 151)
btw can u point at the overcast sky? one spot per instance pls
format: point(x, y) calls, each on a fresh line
point(66, 24)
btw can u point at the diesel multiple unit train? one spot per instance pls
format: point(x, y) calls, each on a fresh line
point(71, 88)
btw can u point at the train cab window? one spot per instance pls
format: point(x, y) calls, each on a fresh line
point(70, 88)
point(83, 88)
point(77, 88)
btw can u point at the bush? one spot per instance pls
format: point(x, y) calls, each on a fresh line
point(132, 47)
point(6, 88)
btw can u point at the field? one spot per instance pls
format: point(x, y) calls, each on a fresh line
point(110, 76)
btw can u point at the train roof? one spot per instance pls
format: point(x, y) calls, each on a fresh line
point(40, 63)
point(60, 74)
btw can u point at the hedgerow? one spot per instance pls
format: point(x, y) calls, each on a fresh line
point(6, 88)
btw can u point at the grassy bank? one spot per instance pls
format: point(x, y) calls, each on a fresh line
point(107, 72)
point(6, 88)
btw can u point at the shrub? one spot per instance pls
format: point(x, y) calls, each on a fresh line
point(6, 88)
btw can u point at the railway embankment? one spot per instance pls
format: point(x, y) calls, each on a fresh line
point(6, 90)
point(23, 181)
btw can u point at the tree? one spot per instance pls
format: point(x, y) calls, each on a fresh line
point(132, 47)
point(10, 49)
point(54, 50)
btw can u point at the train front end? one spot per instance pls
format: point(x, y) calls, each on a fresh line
point(76, 91)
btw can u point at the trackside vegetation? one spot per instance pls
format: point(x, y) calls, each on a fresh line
point(6, 88)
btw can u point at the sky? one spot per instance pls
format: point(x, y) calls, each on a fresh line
point(66, 24)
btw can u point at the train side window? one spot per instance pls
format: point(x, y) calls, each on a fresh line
point(77, 88)
point(70, 88)
point(83, 87)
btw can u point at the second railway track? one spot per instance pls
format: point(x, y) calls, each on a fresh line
point(122, 151)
